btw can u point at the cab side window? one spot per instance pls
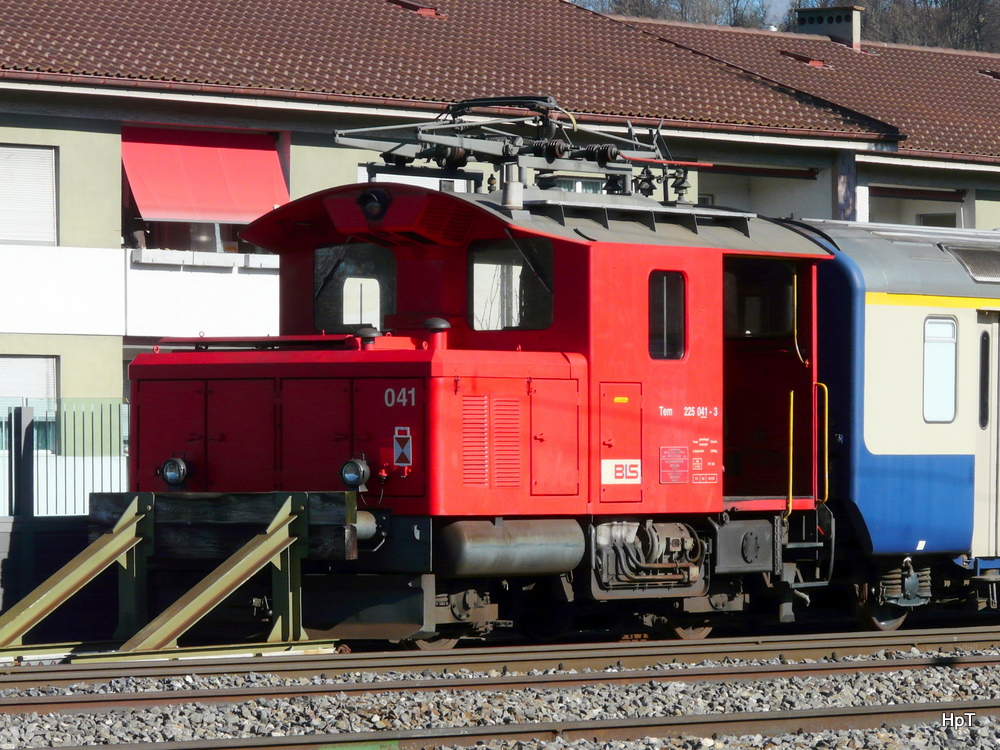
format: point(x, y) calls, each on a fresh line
point(510, 285)
point(667, 318)
point(759, 298)
point(354, 286)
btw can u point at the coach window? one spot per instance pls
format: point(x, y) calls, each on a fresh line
point(354, 286)
point(510, 285)
point(940, 365)
point(666, 315)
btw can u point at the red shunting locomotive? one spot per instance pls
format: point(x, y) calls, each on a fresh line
point(551, 408)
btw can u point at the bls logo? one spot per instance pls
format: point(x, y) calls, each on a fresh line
point(621, 471)
point(626, 471)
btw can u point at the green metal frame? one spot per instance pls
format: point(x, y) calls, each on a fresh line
point(134, 527)
point(283, 544)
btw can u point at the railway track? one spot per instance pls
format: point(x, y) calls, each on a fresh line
point(447, 683)
point(109, 701)
point(296, 663)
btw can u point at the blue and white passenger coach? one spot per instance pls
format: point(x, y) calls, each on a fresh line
point(909, 344)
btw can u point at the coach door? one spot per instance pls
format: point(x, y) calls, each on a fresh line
point(986, 520)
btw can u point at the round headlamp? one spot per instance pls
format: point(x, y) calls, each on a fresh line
point(355, 474)
point(174, 471)
point(374, 204)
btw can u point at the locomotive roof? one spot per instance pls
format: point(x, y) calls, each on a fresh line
point(901, 259)
point(640, 220)
point(541, 139)
point(308, 223)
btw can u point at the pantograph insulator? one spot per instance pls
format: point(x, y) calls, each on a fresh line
point(452, 158)
point(551, 150)
point(602, 153)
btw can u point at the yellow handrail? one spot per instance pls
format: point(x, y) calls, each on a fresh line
point(791, 449)
point(826, 442)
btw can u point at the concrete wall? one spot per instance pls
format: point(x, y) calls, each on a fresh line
point(114, 292)
point(731, 191)
point(67, 290)
point(907, 210)
point(770, 196)
point(316, 164)
point(987, 209)
point(90, 367)
point(175, 293)
point(88, 165)
point(794, 199)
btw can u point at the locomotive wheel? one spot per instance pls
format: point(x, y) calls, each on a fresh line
point(691, 632)
point(881, 617)
point(437, 643)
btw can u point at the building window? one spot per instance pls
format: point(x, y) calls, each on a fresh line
point(666, 315)
point(380, 173)
point(362, 299)
point(202, 237)
point(30, 381)
point(940, 367)
point(196, 189)
point(27, 195)
point(937, 220)
point(354, 286)
point(580, 185)
point(510, 285)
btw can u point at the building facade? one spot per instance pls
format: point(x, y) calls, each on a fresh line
point(132, 150)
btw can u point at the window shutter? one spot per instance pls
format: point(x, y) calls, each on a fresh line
point(27, 195)
point(28, 377)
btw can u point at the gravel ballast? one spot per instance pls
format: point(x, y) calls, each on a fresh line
point(339, 713)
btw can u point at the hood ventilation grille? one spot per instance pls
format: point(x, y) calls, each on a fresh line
point(982, 263)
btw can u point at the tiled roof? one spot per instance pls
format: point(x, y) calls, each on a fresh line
point(390, 49)
point(945, 101)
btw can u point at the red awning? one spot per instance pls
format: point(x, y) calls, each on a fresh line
point(202, 176)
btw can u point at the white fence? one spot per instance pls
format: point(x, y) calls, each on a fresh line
point(58, 452)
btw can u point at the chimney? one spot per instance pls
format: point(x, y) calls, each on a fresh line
point(840, 24)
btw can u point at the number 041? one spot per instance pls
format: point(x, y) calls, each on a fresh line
point(401, 397)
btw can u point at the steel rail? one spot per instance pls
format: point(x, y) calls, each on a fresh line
point(702, 725)
point(103, 667)
point(94, 702)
